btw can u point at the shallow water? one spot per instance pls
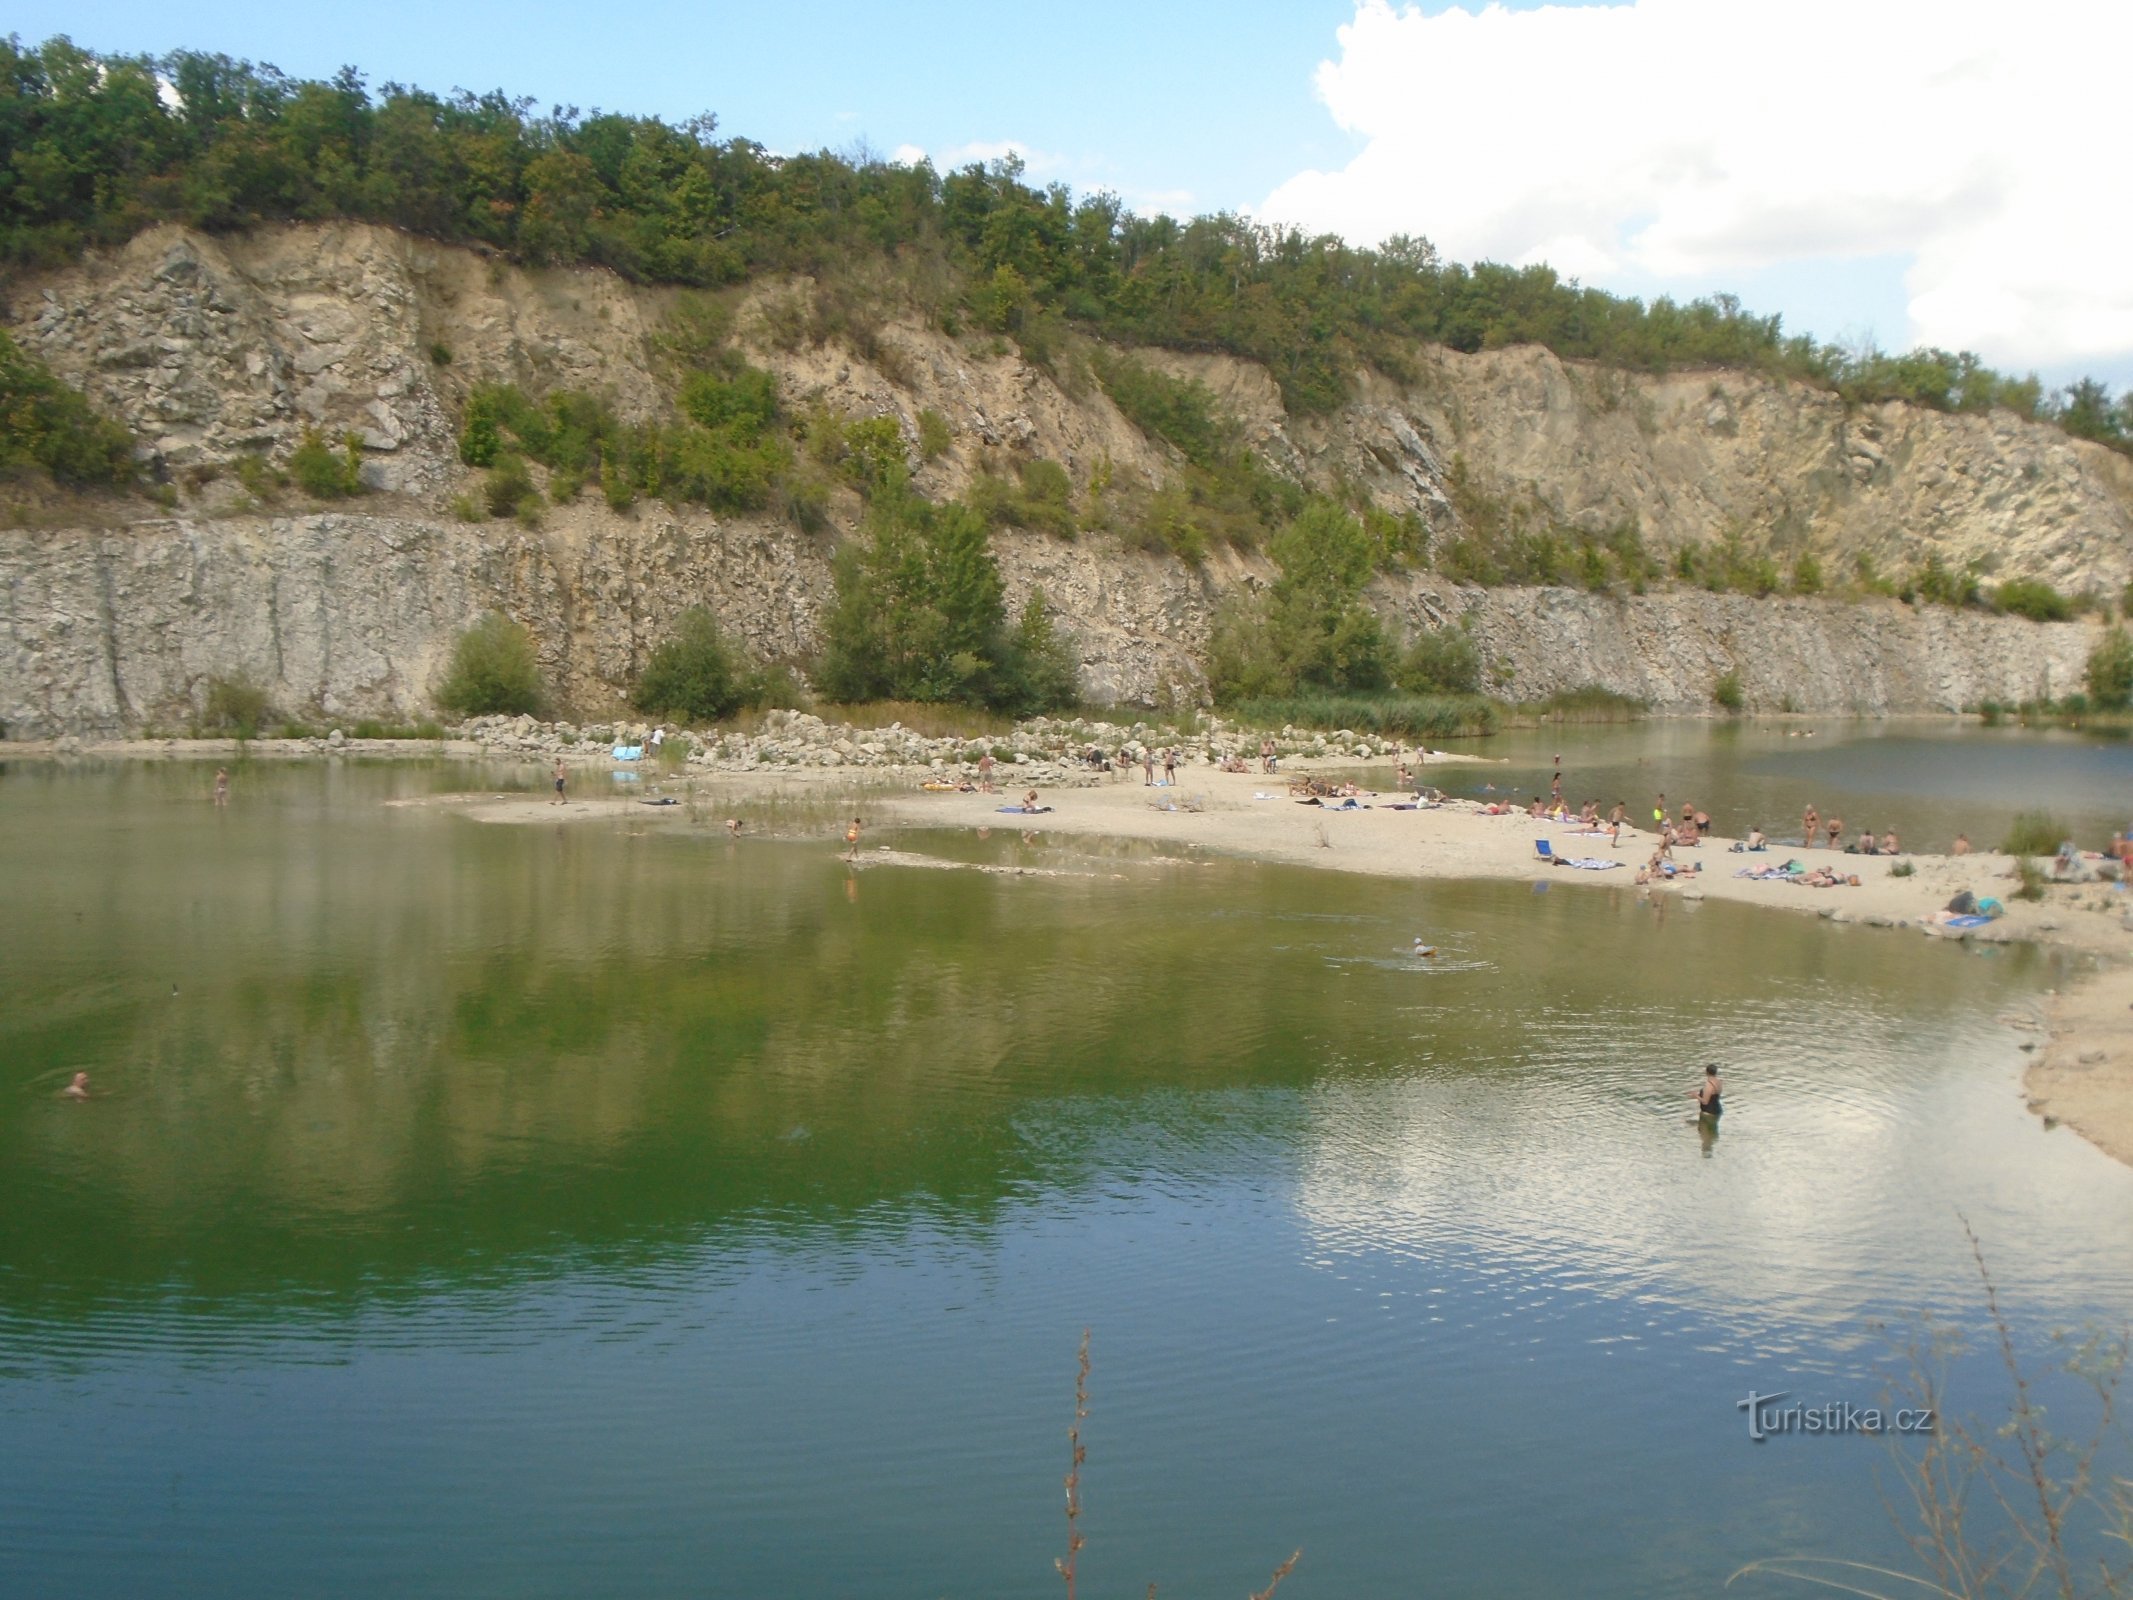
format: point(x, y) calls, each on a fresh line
point(1927, 780)
point(588, 1210)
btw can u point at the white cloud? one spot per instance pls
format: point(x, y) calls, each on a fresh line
point(1037, 162)
point(1681, 139)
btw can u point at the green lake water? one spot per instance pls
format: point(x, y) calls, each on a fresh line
point(605, 1210)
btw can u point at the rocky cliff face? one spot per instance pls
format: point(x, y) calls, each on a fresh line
point(215, 348)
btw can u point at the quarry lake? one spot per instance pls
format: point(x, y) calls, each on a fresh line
point(617, 1209)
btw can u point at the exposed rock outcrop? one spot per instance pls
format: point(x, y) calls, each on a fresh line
point(213, 349)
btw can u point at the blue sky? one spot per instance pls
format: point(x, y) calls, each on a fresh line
point(1187, 107)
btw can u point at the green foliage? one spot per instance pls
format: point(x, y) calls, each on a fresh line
point(2033, 833)
point(325, 473)
point(2032, 598)
point(47, 427)
point(933, 435)
point(493, 671)
point(2110, 670)
point(1440, 661)
point(2031, 877)
point(98, 150)
point(1039, 499)
point(1506, 539)
point(919, 615)
point(236, 707)
point(1935, 584)
point(693, 676)
point(1042, 667)
point(723, 451)
point(1727, 691)
point(508, 490)
point(1310, 630)
point(1392, 716)
point(1728, 566)
point(1225, 493)
point(1806, 574)
point(1179, 411)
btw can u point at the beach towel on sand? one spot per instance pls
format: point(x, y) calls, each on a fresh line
point(1593, 863)
point(1025, 811)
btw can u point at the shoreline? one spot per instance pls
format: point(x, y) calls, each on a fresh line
point(2083, 1075)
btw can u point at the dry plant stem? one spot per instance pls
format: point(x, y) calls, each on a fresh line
point(1076, 1454)
point(1280, 1572)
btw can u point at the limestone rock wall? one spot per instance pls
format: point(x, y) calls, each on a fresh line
point(215, 348)
point(341, 616)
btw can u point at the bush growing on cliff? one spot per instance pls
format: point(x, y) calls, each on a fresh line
point(2032, 598)
point(694, 676)
point(1039, 500)
point(493, 672)
point(325, 473)
point(1309, 631)
point(722, 451)
point(236, 707)
point(920, 615)
point(1727, 691)
point(47, 427)
point(1441, 661)
point(2110, 670)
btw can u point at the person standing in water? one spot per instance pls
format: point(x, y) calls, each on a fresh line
point(851, 840)
point(1710, 1094)
point(222, 786)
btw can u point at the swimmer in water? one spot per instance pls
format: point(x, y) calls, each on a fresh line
point(1422, 949)
point(78, 1089)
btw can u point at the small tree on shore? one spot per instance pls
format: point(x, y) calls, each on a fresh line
point(2110, 675)
point(692, 677)
point(493, 671)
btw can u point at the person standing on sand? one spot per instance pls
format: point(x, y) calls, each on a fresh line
point(1811, 823)
point(985, 764)
point(1962, 845)
point(222, 786)
point(1170, 766)
point(1147, 767)
point(562, 778)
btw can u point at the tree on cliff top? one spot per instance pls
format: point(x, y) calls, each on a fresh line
point(96, 149)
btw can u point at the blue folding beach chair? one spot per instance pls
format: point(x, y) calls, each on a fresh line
point(1546, 852)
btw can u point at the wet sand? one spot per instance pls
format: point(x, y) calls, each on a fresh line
point(2083, 1077)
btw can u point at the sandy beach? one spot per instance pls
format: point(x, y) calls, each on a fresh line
point(2083, 1076)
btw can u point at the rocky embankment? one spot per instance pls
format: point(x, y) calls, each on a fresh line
point(218, 350)
point(1046, 751)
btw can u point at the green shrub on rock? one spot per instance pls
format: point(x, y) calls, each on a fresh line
point(493, 671)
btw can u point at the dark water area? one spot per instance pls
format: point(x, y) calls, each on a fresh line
point(595, 1209)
